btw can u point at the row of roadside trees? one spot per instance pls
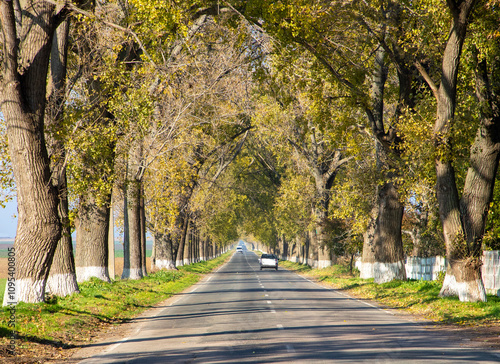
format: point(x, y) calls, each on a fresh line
point(342, 127)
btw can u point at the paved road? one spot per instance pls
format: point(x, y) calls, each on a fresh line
point(243, 315)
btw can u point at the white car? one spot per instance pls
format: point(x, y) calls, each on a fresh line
point(239, 249)
point(268, 261)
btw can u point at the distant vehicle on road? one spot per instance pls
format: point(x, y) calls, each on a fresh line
point(268, 261)
point(239, 249)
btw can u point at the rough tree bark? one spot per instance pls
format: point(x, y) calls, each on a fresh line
point(464, 241)
point(383, 256)
point(183, 225)
point(143, 234)
point(94, 204)
point(92, 227)
point(62, 278)
point(26, 54)
point(459, 218)
point(133, 191)
point(324, 176)
point(166, 251)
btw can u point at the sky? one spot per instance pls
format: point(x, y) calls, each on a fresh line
point(8, 223)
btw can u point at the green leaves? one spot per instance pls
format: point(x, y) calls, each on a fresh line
point(7, 184)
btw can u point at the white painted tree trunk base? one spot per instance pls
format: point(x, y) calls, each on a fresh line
point(383, 272)
point(165, 264)
point(179, 263)
point(366, 270)
point(85, 273)
point(25, 290)
point(62, 285)
point(324, 263)
point(132, 273)
point(313, 263)
point(470, 291)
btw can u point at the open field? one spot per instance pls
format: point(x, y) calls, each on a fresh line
point(4, 246)
point(3, 267)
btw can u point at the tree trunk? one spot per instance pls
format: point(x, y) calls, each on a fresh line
point(62, 277)
point(143, 236)
point(209, 250)
point(463, 276)
point(368, 255)
point(62, 280)
point(92, 240)
point(133, 192)
point(165, 252)
point(321, 244)
point(126, 230)
point(387, 242)
point(383, 255)
point(189, 242)
point(313, 249)
point(182, 240)
point(321, 213)
point(25, 67)
point(134, 271)
point(135, 236)
point(111, 242)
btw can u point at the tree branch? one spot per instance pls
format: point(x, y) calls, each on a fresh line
point(427, 79)
point(112, 25)
point(237, 150)
point(10, 45)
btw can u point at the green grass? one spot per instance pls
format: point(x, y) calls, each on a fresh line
point(62, 322)
point(3, 282)
point(416, 297)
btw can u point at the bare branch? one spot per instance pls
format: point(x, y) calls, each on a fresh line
point(110, 24)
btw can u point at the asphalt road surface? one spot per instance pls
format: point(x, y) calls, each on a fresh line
point(241, 314)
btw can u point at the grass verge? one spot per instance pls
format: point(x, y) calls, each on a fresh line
point(420, 298)
point(46, 331)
